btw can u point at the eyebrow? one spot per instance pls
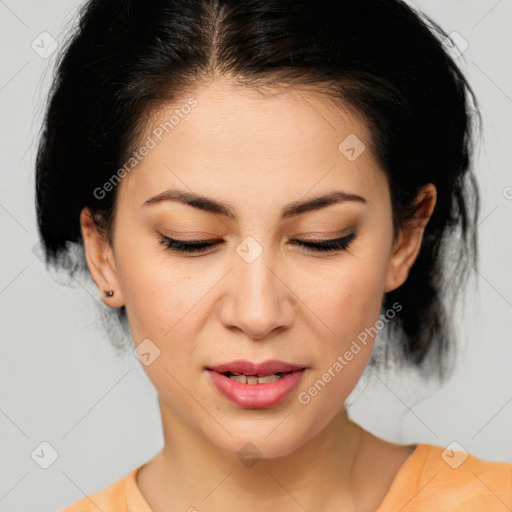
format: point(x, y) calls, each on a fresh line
point(290, 210)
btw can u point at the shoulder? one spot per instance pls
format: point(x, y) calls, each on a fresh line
point(449, 480)
point(112, 497)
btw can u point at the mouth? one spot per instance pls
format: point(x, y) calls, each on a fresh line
point(255, 379)
point(256, 386)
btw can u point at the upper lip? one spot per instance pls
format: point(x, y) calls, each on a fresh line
point(251, 368)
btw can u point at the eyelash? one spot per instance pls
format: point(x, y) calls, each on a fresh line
point(199, 246)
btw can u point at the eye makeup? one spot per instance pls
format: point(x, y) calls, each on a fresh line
point(202, 246)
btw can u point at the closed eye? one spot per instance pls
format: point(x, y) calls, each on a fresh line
point(201, 246)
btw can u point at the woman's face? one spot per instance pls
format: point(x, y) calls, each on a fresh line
point(256, 295)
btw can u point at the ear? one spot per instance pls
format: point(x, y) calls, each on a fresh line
point(408, 243)
point(100, 259)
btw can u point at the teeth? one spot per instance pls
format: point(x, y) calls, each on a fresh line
point(266, 379)
point(253, 379)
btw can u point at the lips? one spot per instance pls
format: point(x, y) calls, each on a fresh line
point(250, 368)
point(253, 388)
point(276, 381)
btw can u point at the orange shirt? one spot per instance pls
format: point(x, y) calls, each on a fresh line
point(428, 481)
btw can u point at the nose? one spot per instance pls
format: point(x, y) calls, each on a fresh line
point(258, 298)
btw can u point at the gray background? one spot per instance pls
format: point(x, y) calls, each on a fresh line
point(61, 381)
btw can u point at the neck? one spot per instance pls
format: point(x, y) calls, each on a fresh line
point(193, 472)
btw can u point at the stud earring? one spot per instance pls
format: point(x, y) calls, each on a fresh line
point(108, 293)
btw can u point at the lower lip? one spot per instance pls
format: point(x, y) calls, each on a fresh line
point(257, 396)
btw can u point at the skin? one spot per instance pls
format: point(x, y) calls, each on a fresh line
point(257, 153)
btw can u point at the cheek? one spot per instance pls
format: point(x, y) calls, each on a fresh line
point(352, 307)
point(352, 297)
point(157, 293)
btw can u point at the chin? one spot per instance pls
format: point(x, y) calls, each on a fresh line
point(263, 443)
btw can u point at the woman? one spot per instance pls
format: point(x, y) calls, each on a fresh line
point(259, 188)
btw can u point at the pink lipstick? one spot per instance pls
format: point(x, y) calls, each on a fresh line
point(256, 386)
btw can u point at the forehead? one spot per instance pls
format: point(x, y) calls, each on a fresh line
point(229, 140)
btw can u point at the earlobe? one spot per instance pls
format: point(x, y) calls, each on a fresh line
point(408, 243)
point(100, 260)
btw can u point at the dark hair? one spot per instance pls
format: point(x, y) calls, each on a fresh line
point(379, 57)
